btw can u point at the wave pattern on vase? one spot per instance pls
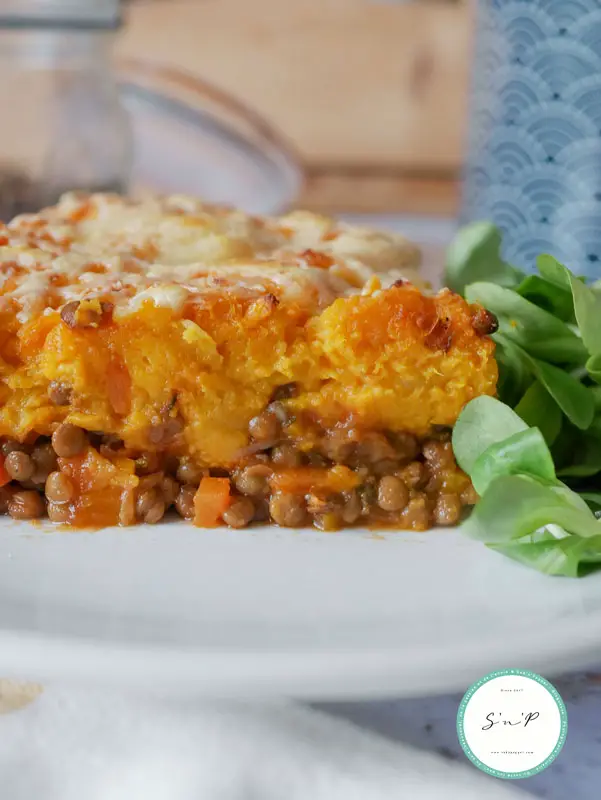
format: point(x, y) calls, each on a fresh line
point(534, 164)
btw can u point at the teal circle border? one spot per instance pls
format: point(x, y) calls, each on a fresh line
point(563, 731)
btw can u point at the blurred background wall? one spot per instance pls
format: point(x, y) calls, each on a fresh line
point(372, 94)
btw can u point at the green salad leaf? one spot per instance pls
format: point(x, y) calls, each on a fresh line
point(593, 367)
point(538, 409)
point(596, 393)
point(515, 373)
point(516, 506)
point(571, 396)
point(548, 296)
point(593, 499)
point(588, 461)
point(537, 331)
point(587, 309)
point(553, 272)
point(524, 453)
point(475, 254)
point(545, 425)
point(571, 556)
point(482, 423)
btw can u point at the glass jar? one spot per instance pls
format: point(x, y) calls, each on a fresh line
point(62, 123)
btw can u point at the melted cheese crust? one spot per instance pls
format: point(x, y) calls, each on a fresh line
point(176, 249)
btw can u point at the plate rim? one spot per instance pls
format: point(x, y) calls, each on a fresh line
point(298, 673)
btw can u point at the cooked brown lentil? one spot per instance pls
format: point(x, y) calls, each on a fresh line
point(150, 506)
point(69, 440)
point(447, 510)
point(37, 480)
point(252, 481)
point(442, 433)
point(261, 509)
point(170, 489)
point(469, 496)
point(288, 510)
point(163, 433)
point(75, 317)
point(438, 454)
point(406, 446)
point(184, 502)
point(110, 445)
point(320, 504)
point(416, 514)
point(9, 445)
point(59, 488)
point(127, 507)
point(145, 500)
point(58, 512)
point(286, 455)
point(26, 505)
point(393, 495)
point(265, 427)
point(338, 447)
point(385, 467)
point(375, 447)
point(45, 460)
point(59, 393)
point(69, 312)
point(280, 412)
point(329, 521)
point(351, 508)
point(5, 495)
point(316, 460)
point(284, 392)
point(368, 496)
point(188, 472)
point(147, 482)
point(414, 475)
point(19, 466)
point(484, 322)
point(240, 512)
point(147, 463)
point(155, 513)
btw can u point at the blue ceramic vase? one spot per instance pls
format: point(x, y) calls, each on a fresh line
point(534, 156)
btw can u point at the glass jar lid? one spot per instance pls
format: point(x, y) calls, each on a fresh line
point(191, 137)
point(65, 14)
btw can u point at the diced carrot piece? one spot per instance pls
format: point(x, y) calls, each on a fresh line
point(119, 387)
point(309, 479)
point(33, 335)
point(315, 258)
point(85, 210)
point(210, 501)
point(84, 472)
point(97, 509)
point(4, 476)
point(91, 472)
point(123, 464)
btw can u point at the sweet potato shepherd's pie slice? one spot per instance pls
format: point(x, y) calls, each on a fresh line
point(167, 352)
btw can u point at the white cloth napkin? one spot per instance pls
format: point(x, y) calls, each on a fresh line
point(76, 745)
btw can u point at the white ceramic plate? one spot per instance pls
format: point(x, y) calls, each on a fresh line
point(269, 612)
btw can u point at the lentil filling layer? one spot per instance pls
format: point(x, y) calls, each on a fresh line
point(347, 478)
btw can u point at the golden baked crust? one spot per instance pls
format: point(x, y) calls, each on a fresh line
point(167, 327)
point(174, 248)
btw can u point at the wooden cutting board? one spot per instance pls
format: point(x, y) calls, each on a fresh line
point(373, 94)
